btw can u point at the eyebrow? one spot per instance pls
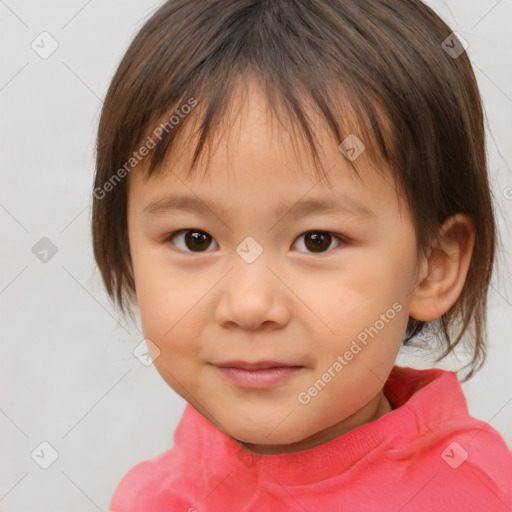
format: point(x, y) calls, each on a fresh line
point(303, 207)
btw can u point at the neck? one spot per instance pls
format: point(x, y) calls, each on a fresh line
point(378, 407)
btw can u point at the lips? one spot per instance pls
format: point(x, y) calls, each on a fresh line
point(258, 374)
point(259, 365)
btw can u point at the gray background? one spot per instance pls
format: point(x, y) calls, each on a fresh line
point(68, 373)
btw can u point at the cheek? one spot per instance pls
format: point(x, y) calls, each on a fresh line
point(172, 322)
point(174, 310)
point(353, 297)
point(367, 306)
point(156, 282)
point(169, 316)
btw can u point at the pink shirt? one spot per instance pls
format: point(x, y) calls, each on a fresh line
point(428, 454)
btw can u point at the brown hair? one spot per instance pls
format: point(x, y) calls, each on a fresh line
point(417, 107)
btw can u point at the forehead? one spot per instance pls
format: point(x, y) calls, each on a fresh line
point(255, 152)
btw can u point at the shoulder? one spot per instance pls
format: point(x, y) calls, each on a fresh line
point(148, 486)
point(471, 467)
point(462, 462)
point(486, 454)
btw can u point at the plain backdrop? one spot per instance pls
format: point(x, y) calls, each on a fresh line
point(69, 377)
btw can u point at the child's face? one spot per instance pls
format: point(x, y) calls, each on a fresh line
point(304, 301)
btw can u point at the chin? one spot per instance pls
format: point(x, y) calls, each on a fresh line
point(266, 434)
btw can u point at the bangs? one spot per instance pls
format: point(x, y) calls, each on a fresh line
point(355, 125)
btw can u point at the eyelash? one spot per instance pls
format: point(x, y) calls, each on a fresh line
point(168, 239)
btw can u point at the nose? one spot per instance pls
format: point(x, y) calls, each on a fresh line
point(252, 296)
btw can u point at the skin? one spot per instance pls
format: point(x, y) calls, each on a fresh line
point(291, 304)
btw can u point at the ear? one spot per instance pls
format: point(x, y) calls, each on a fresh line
point(443, 273)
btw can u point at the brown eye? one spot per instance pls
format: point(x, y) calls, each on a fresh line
point(317, 241)
point(194, 240)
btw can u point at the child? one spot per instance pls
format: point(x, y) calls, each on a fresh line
point(352, 122)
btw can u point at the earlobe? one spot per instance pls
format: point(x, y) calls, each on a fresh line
point(444, 271)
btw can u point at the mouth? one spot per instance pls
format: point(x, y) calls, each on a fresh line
point(261, 374)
